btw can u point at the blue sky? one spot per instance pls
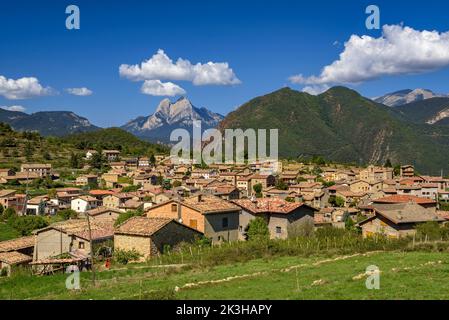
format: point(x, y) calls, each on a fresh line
point(264, 42)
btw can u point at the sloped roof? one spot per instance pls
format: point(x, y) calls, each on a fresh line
point(79, 228)
point(17, 244)
point(14, 257)
point(100, 210)
point(397, 198)
point(142, 226)
point(269, 205)
point(406, 213)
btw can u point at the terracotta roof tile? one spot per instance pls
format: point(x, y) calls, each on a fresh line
point(14, 257)
point(17, 244)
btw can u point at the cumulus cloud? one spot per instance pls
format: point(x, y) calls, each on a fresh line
point(161, 67)
point(315, 89)
point(399, 50)
point(158, 88)
point(79, 91)
point(23, 88)
point(14, 108)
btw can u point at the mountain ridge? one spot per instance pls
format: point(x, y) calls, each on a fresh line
point(342, 126)
point(47, 123)
point(169, 116)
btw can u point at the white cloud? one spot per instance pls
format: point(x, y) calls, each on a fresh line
point(158, 88)
point(23, 88)
point(79, 91)
point(161, 67)
point(315, 89)
point(14, 108)
point(400, 50)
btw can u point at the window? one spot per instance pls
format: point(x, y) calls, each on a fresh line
point(278, 230)
point(174, 208)
point(225, 222)
point(81, 245)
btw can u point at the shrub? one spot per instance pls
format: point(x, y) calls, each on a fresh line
point(25, 225)
point(67, 214)
point(8, 213)
point(257, 230)
point(430, 230)
point(125, 256)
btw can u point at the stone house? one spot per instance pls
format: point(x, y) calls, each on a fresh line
point(150, 236)
point(279, 214)
point(104, 213)
point(87, 179)
point(397, 220)
point(216, 218)
point(265, 180)
point(42, 169)
point(70, 236)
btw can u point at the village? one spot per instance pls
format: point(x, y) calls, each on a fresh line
point(147, 204)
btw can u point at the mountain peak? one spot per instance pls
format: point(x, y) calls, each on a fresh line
point(402, 97)
point(170, 115)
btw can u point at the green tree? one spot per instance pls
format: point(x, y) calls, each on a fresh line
point(28, 151)
point(257, 230)
point(46, 155)
point(1, 209)
point(98, 161)
point(177, 184)
point(388, 164)
point(75, 161)
point(430, 230)
point(281, 185)
point(26, 224)
point(152, 159)
point(8, 213)
point(258, 190)
point(67, 214)
point(339, 202)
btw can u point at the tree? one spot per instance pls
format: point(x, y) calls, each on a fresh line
point(97, 161)
point(257, 230)
point(258, 190)
point(28, 151)
point(8, 213)
point(388, 164)
point(176, 184)
point(430, 230)
point(281, 185)
point(67, 214)
point(339, 202)
point(26, 224)
point(1, 209)
point(152, 159)
point(74, 161)
point(46, 155)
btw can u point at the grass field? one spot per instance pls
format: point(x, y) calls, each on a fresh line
point(411, 275)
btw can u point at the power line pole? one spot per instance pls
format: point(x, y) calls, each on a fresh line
point(91, 249)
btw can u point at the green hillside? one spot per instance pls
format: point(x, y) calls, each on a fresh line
point(343, 126)
point(114, 138)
